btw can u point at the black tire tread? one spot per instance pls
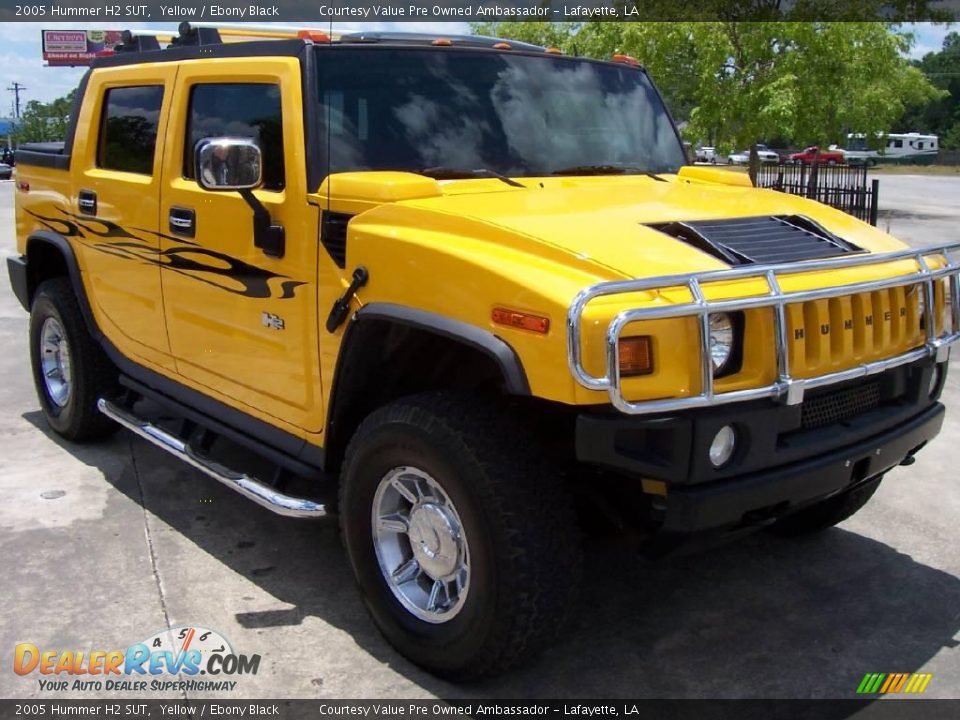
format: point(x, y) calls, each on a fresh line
point(93, 374)
point(524, 497)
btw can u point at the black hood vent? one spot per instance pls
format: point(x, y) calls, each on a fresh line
point(761, 240)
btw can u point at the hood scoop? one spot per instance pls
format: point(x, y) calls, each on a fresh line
point(764, 240)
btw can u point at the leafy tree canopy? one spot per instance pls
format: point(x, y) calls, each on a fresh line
point(942, 116)
point(735, 83)
point(44, 122)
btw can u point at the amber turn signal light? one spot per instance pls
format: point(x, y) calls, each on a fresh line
point(522, 320)
point(635, 355)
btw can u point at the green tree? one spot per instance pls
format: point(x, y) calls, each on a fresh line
point(942, 116)
point(738, 82)
point(42, 122)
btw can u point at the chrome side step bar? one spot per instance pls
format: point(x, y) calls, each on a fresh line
point(247, 486)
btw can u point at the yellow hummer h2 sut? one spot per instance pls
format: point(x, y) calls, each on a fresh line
point(473, 292)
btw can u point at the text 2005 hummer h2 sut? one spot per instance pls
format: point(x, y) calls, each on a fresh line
point(473, 290)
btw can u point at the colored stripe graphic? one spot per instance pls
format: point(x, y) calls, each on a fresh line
point(918, 683)
point(871, 683)
point(885, 683)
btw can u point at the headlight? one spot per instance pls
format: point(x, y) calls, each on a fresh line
point(721, 341)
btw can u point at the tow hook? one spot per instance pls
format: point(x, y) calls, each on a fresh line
point(341, 308)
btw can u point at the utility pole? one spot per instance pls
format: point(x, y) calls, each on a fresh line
point(16, 89)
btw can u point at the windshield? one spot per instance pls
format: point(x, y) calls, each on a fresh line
point(519, 115)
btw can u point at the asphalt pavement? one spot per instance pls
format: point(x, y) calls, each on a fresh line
point(104, 545)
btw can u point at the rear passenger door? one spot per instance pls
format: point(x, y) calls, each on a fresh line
point(116, 204)
point(243, 323)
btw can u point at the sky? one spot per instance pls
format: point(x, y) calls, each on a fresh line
point(20, 52)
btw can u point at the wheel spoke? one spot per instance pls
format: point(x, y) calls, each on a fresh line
point(393, 523)
point(410, 570)
point(53, 372)
point(434, 595)
point(404, 490)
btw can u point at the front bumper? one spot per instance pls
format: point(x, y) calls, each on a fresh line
point(756, 498)
point(787, 456)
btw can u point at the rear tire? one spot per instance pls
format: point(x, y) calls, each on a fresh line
point(826, 513)
point(70, 370)
point(466, 465)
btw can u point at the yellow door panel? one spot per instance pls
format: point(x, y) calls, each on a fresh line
point(115, 203)
point(243, 323)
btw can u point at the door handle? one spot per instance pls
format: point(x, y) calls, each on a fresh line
point(87, 202)
point(183, 221)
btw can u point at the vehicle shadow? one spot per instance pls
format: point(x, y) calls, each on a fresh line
point(763, 617)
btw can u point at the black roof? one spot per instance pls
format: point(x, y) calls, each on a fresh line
point(294, 47)
point(410, 38)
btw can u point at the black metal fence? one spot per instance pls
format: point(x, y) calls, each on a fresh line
point(845, 187)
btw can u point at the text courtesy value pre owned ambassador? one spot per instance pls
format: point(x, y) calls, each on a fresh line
point(473, 292)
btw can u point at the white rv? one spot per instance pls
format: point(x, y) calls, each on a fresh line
point(893, 147)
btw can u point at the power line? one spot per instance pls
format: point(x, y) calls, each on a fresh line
point(16, 89)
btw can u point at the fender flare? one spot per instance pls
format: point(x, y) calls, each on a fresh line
point(63, 246)
point(339, 413)
point(504, 356)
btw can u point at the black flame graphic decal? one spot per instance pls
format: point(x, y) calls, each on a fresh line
point(188, 258)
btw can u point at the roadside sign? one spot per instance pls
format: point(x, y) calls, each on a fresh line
point(77, 47)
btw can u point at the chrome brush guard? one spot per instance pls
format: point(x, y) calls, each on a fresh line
point(786, 389)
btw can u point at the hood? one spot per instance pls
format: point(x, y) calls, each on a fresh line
point(607, 221)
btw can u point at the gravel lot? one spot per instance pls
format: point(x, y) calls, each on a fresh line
point(104, 545)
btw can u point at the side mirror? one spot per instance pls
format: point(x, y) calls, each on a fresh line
point(227, 163)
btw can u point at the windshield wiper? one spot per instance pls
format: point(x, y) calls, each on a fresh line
point(606, 170)
point(448, 173)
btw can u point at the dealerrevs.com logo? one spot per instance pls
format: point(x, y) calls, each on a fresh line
point(154, 664)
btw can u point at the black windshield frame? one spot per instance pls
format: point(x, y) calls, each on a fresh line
point(351, 58)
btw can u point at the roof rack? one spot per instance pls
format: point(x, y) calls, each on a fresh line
point(193, 34)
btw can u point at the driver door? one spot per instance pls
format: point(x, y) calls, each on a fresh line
point(241, 323)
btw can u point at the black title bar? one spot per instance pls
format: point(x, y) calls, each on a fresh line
point(322, 11)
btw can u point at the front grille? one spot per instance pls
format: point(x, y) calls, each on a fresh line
point(837, 333)
point(839, 405)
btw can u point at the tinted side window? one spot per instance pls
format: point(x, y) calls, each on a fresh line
point(128, 128)
point(238, 110)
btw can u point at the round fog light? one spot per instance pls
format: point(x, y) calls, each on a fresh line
point(722, 447)
point(934, 381)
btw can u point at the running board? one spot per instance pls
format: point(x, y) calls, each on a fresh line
point(249, 487)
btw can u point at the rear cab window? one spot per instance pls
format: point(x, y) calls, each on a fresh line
point(128, 128)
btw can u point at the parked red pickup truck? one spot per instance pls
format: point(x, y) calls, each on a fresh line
point(827, 157)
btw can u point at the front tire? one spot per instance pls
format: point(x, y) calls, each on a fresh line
point(460, 534)
point(70, 370)
point(826, 513)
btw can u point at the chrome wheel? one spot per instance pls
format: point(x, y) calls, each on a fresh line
point(55, 362)
point(420, 544)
